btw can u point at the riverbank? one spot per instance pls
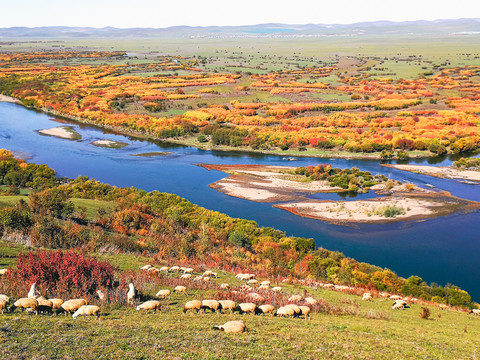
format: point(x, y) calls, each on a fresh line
point(9, 99)
point(445, 172)
point(193, 142)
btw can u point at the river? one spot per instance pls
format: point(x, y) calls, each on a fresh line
point(442, 250)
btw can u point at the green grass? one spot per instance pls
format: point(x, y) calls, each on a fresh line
point(372, 330)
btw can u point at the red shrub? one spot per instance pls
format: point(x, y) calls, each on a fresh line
point(68, 273)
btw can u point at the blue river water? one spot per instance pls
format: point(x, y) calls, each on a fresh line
point(442, 250)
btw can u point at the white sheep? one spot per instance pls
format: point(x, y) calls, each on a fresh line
point(232, 327)
point(224, 286)
point(164, 268)
point(367, 297)
point(266, 309)
point(146, 267)
point(395, 297)
point(310, 300)
point(162, 294)
point(174, 269)
point(33, 291)
point(87, 310)
point(188, 271)
point(101, 295)
point(4, 298)
point(277, 289)
point(186, 276)
point(295, 298)
point(131, 294)
point(3, 271)
point(285, 311)
point(399, 305)
point(295, 308)
point(150, 305)
point(3, 305)
point(475, 311)
point(266, 283)
point(56, 303)
point(207, 273)
point(305, 311)
point(180, 288)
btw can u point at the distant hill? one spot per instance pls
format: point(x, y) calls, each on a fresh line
point(420, 27)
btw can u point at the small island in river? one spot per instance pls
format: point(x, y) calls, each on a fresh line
point(110, 144)
point(291, 186)
point(63, 132)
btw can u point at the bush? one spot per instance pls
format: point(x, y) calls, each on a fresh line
point(66, 274)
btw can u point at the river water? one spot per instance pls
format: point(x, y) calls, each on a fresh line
point(442, 250)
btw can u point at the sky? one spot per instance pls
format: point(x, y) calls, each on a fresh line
point(162, 13)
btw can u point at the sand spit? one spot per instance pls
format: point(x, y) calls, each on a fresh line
point(263, 183)
point(63, 132)
point(109, 144)
point(439, 171)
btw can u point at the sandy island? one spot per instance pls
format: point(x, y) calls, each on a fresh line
point(263, 183)
point(64, 132)
point(109, 144)
point(447, 172)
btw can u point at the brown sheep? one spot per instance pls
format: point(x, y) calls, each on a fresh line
point(71, 306)
point(244, 308)
point(150, 305)
point(232, 327)
point(180, 288)
point(285, 311)
point(305, 311)
point(163, 294)
point(56, 303)
point(192, 305)
point(212, 305)
point(227, 304)
point(265, 309)
point(25, 303)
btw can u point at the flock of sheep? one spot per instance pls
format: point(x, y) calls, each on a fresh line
point(34, 302)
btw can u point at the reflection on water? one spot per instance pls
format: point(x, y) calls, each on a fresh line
point(443, 250)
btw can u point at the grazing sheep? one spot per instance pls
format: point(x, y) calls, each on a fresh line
point(44, 302)
point(383, 294)
point(131, 294)
point(265, 283)
point(87, 310)
point(3, 271)
point(265, 309)
point(186, 276)
point(232, 327)
point(255, 297)
point(25, 303)
point(153, 270)
point(239, 275)
point(33, 291)
point(198, 278)
point(295, 308)
point(305, 311)
point(400, 305)
point(367, 297)
point(395, 297)
point(174, 269)
point(224, 286)
point(227, 305)
point(245, 308)
point(164, 268)
point(44, 309)
point(188, 271)
point(206, 279)
point(328, 286)
point(163, 294)
point(475, 311)
point(252, 282)
point(207, 273)
point(212, 305)
point(3, 305)
point(4, 298)
point(310, 300)
point(180, 288)
point(146, 267)
point(285, 311)
point(71, 306)
point(101, 295)
point(56, 303)
point(150, 305)
point(295, 298)
point(214, 274)
point(192, 305)
point(277, 289)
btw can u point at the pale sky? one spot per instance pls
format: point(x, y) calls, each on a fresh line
point(161, 13)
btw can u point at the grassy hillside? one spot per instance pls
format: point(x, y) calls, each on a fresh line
point(354, 329)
